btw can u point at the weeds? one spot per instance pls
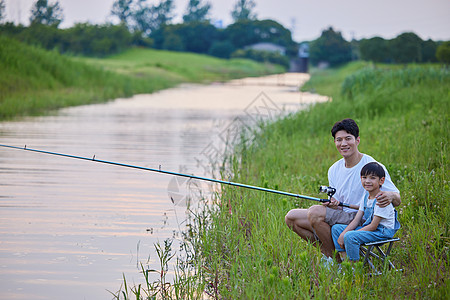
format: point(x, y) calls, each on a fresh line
point(244, 250)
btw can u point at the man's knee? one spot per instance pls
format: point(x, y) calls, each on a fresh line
point(316, 213)
point(290, 217)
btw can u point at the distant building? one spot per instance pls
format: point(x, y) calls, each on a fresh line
point(270, 47)
point(301, 62)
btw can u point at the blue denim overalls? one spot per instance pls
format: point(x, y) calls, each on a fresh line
point(354, 239)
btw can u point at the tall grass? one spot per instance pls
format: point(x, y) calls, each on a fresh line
point(403, 115)
point(244, 250)
point(34, 81)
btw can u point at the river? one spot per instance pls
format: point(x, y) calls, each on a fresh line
point(70, 229)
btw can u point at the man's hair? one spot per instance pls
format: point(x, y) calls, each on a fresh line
point(373, 168)
point(348, 125)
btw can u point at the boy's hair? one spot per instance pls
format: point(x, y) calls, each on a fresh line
point(348, 125)
point(373, 168)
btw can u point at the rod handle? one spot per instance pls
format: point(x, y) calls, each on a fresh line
point(340, 203)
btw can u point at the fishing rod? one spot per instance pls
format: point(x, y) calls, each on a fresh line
point(323, 189)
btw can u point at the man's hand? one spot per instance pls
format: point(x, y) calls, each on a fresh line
point(385, 198)
point(334, 204)
point(341, 241)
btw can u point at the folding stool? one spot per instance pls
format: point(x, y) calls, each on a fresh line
point(368, 252)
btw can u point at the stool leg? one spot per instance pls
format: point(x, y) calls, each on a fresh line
point(367, 258)
point(367, 251)
point(388, 251)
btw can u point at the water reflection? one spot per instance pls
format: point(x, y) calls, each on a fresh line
point(71, 228)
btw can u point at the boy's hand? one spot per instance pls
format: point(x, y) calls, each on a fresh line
point(341, 241)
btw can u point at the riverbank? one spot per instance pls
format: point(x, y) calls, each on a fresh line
point(248, 252)
point(34, 81)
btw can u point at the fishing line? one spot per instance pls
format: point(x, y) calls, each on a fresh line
point(329, 190)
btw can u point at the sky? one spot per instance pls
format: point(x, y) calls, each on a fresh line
point(306, 19)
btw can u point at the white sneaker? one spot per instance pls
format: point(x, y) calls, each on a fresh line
point(327, 261)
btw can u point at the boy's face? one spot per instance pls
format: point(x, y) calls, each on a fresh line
point(346, 143)
point(371, 182)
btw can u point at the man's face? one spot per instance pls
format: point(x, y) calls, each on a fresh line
point(346, 143)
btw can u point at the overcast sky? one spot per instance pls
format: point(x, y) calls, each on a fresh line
point(306, 19)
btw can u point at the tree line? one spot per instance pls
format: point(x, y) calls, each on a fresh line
point(150, 25)
point(407, 47)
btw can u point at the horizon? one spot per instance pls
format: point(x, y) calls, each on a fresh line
point(427, 20)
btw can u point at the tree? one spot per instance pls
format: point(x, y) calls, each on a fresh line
point(375, 49)
point(163, 13)
point(195, 36)
point(148, 19)
point(429, 48)
point(406, 48)
point(443, 53)
point(246, 32)
point(143, 16)
point(195, 11)
point(243, 10)
point(47, 14)
point(2, 10)
point(330, 47)
point(122, 10)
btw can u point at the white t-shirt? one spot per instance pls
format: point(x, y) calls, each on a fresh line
point(386, 213)
point(347, 181)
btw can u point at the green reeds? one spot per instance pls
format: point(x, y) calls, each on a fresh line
point(244, 249)
point(403, 114)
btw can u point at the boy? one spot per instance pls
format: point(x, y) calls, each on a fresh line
point(381, 222)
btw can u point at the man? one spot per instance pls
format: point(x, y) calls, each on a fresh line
point(314, 224)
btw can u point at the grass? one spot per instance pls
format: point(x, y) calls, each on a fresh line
point(242, 246)
point(180, 66)
point(34, 81)
point(403, 114)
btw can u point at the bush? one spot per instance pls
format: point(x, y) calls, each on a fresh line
point(222, 49)
point(81, 39)
point(262, 56)
point(443, 53)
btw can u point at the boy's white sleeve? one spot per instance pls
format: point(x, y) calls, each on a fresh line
point(383, 212)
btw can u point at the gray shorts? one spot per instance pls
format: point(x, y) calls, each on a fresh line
point(339, 216)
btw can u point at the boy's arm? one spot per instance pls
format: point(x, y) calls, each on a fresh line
point(353, 224)
point(373, 225)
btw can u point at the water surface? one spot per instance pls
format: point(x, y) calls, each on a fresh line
point(69, 228)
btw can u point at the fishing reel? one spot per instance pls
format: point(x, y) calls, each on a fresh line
point(330, 191)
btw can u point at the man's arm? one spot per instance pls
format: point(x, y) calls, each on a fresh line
point(385, 198)
point(334, 204)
